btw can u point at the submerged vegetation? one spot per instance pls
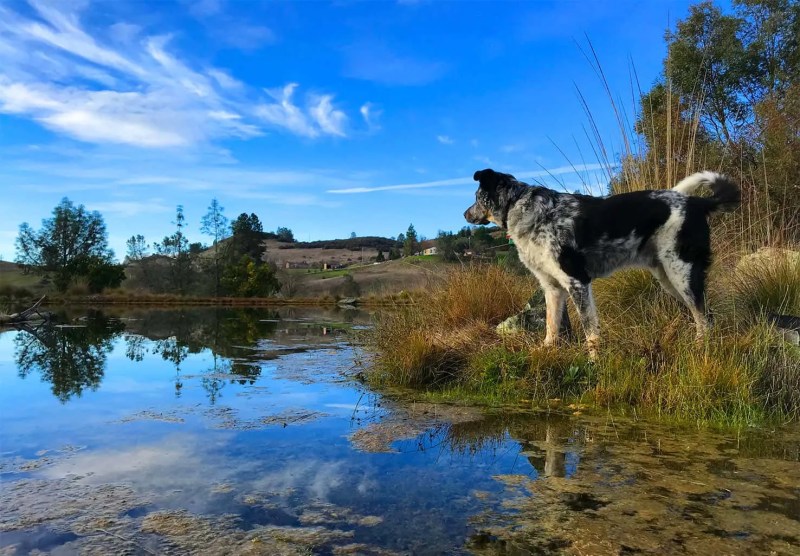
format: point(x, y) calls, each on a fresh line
point(726, 101)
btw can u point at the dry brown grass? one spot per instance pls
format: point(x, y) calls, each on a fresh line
point(430, 341)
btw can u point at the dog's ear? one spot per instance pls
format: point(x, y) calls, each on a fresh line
point(482, 174)
point(487, 178)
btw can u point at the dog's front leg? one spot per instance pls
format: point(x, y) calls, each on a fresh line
point(554, 298)
point(584, 302)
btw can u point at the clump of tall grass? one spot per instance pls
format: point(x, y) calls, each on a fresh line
point(768, 283)
point(431, 340)
point(11, 292)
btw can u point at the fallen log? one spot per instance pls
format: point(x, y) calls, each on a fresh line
point(30, 314)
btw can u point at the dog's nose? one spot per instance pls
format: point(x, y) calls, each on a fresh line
point(468, 215)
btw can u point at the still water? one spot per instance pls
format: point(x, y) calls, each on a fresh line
point(212, 431)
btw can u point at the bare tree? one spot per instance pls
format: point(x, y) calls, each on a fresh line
point(215, 224)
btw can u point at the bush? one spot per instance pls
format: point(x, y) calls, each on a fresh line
point(432, 340)
point(349, 287)
point(247, 278)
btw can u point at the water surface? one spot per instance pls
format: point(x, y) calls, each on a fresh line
point(209, 431)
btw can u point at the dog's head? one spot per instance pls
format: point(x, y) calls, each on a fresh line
point(492, 198)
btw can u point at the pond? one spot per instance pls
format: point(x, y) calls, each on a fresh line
point(220, 431)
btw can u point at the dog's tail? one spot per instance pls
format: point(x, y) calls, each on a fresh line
point(726, 195)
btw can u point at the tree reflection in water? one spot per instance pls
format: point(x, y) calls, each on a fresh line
point(71, 358)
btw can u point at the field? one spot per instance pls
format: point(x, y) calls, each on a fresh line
point(317, 256)
point(11, 278)
point(375, 279)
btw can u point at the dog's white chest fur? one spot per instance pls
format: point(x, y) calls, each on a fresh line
point(538, 255)
point(538, 252)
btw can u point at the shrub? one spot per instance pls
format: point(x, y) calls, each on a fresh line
point(349, 287)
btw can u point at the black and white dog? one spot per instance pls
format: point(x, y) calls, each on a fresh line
point(568, 240)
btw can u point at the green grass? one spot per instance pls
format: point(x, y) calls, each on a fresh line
point(331, 273)
point(445, 347)
point(15, 286)
point(16, 279)
point(422, 259)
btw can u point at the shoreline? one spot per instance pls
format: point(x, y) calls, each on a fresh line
point(189, 301)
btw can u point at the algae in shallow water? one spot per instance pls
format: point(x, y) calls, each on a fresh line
point(220, 535)
point(318, 514)
point(403, 422)
point(659, 496)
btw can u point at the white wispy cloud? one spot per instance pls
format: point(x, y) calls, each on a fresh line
point(318, 116)
point(284, 113)
point(132, 174)
point(371, 116)
point(329, 119)
point(118, 85)
point(512, 148)
point(445, 140)
point(229, 29)
point(130, 208)
point(561, 170)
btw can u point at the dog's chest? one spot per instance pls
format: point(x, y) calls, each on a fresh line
point(538, 254)
point(537, 238)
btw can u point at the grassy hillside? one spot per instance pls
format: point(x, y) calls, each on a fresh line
point(294, 254)
point(12, 277)
point(374, 279)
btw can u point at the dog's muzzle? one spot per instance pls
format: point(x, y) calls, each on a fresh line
point(475, 216)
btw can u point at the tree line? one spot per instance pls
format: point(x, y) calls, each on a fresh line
point(71, 248)
point(235, 263)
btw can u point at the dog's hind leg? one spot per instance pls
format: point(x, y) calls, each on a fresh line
point(660, 274)
point(688, 281)
point(584, 301)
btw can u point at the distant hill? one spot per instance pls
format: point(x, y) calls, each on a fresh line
point(374, 243)
point(317, 253)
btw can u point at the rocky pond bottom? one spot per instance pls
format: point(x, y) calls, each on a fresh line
point(245, 432)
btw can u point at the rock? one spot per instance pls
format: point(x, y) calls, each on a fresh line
point(787, 327)
point(785, 321)
point(533, 318)
point(530, 319)
point(348, 301)
point(525, 321)
point(790, 336)
point(767, 256)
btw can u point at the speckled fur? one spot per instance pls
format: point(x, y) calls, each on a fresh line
point(568, 240)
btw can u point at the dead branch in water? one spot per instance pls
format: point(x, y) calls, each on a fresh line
point(32, 313)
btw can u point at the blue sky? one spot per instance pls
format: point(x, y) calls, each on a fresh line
point(328, 118)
